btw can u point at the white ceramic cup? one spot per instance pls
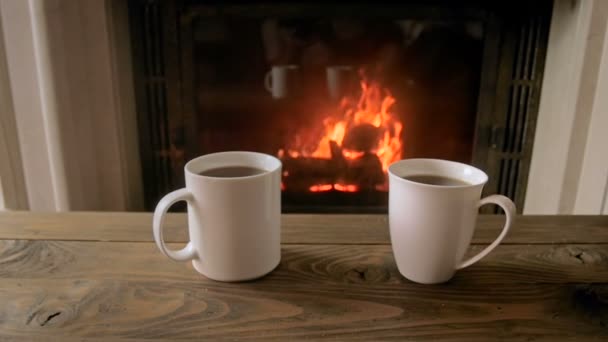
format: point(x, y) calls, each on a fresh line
point(281, 80)
point(431, 226)
point(339, 80)
point(234, 222)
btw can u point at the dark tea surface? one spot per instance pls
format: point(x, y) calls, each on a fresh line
point(232, 171)
point(436, 180)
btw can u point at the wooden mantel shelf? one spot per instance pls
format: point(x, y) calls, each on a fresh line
point(99, 277)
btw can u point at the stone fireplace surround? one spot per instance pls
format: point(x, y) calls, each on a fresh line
point(68, 122)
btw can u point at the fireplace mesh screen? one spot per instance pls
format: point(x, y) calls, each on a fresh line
point(151, 93)
point(512, 144)
point(514, 51)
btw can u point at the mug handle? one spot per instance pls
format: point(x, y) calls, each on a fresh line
point(509, 207)
point(268, 81)
point(186, 253)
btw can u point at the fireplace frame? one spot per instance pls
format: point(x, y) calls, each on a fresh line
point(514, 51)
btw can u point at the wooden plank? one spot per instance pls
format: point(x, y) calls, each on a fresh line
point(267, 311)
point(366, 265)
point(297, 228)
point(106, 338)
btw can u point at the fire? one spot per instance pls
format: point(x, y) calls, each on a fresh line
point(337, 187)
point(370, 119)
point(351, 154)
point(320, 187)
point(374, 107)
point(346, 187)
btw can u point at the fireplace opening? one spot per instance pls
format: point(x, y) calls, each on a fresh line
point(338, 92)
point(344, 152)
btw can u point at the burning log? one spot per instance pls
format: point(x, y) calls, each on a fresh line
point(363, 138)
point(366, 172)
point(305, 174)
point(299, 174)
point(353, 152)
point(336, 151)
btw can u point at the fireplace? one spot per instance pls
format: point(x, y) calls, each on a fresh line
point(338, 92)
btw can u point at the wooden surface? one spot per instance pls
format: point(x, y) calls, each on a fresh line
point(297, 228)
point(98, 277)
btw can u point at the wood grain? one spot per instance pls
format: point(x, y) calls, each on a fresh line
point(337, 281)
point(265, 311)
point(297, 228)
point(366, 265)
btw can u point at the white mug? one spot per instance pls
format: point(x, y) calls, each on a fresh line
point(281, 80)
point(234, 223)
point(431, 226)
point(339, 80)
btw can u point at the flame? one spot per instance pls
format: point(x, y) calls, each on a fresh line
point(373, 107)
point(320, 187)
point(337, 186)
point(346, 187)
point(352, 154)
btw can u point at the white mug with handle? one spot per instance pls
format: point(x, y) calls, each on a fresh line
point(234, 222)
point(281, 81)
point(431, 225)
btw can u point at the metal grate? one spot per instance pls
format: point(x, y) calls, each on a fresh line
point(147, 35)
point(514, 144)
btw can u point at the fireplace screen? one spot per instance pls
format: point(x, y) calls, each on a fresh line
point(337, 100)
point(338, 93)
